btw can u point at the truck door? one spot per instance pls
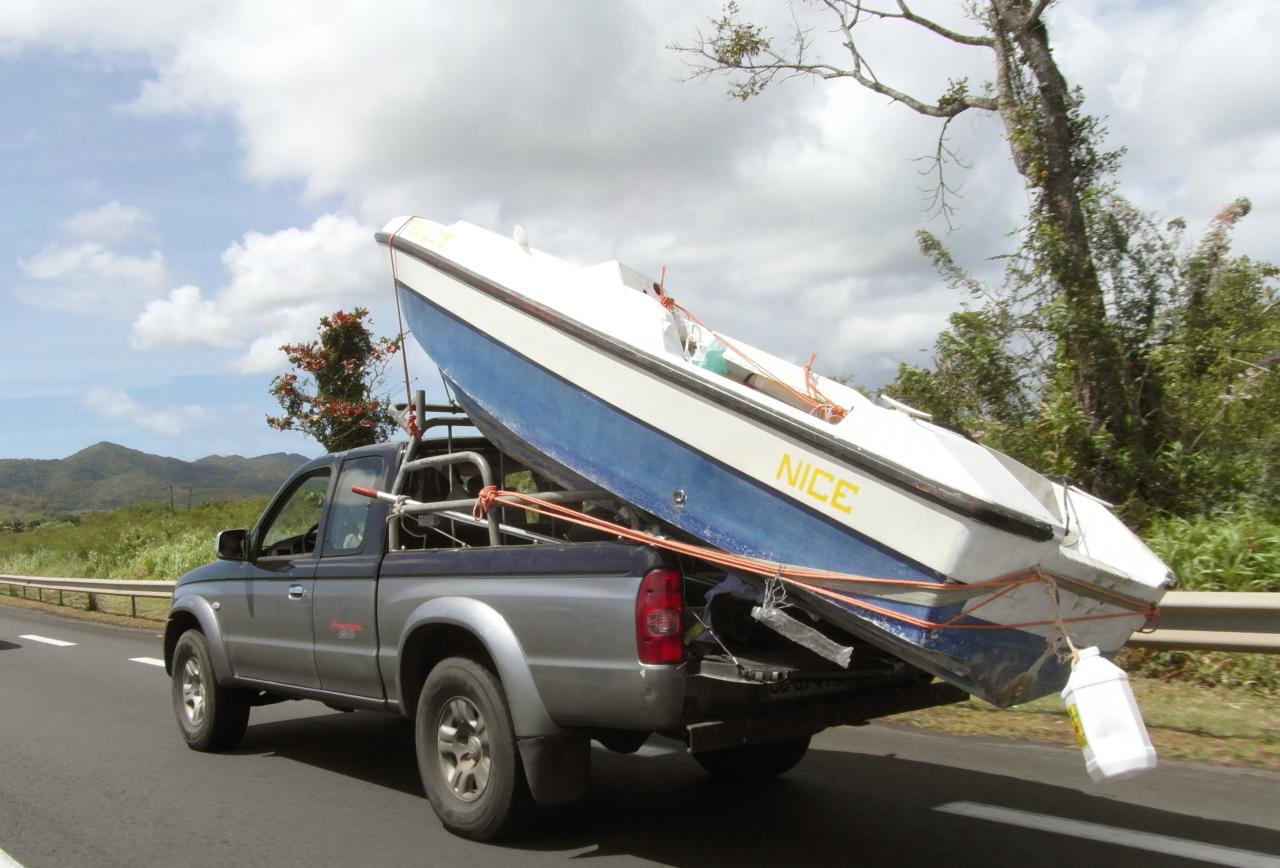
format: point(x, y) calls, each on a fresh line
point(345, 616)
point(267, 614)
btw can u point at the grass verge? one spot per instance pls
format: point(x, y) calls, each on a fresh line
point(1185, 721)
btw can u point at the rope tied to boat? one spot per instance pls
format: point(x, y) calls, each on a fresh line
point(806, 578)
point(819, 404)
point(1064, 637)
point(484, 501)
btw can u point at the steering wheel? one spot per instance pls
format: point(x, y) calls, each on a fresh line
point(309, 539)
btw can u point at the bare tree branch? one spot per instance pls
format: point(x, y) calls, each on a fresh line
point(941, 193)
point(1036, 11)
point(738, 47)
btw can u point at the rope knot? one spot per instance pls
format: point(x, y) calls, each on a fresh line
point(484, 501)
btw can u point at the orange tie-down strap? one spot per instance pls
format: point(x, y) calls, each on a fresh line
point(818, 403)
point(805, 577)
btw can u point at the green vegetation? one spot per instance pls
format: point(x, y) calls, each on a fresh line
point(1234, 549)
point(1198, 331)
point(146, 541)
point(331, 394)
point(1206, 724)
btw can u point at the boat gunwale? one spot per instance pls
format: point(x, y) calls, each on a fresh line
point(991, 514)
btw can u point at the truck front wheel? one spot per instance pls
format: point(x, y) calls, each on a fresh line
point(753, 763)
point(210, 717)
point(467, 752)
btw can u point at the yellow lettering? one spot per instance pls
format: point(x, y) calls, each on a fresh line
point(816, 473)
point(793, 473)
point(837, 496)
point(804, 476)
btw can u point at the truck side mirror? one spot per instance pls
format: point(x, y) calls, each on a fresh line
point(232, 545)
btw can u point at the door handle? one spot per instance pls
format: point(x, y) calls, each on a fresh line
point(297, 592)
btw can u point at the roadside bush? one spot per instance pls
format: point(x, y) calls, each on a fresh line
point(1256, 673)
point(1235, 549)
point(1230, 550)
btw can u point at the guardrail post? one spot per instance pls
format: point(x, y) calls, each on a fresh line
point(133, 606)
point(59, 597)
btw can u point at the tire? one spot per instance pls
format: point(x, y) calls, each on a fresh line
point(467, 753)
point(210, 717)
point(753, 763)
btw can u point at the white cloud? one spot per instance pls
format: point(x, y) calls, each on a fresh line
point(183, 317)
point(115, 403)
point(566, 117)
point(281, 283)
point(109, 224)
point(88, 278)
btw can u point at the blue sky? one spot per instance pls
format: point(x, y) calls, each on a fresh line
point(186, 186)
point(69, 149)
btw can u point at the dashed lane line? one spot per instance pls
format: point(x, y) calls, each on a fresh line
point(7, 861)
point(1149, 841)
point(150, 661)
point(46, 640)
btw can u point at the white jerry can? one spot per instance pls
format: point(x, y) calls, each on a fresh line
point(1106, 718)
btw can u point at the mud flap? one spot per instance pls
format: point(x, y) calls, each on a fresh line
point(557, 767)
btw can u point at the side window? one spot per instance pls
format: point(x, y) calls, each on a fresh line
point(349, 516)
point(293, 529)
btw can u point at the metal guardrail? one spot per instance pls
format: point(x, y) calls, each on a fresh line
point(1216, 621)
point(91, 587)
point(1189, 620)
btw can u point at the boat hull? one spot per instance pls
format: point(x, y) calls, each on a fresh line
point(540, 388)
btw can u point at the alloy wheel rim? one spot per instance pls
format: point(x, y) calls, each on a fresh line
point(462, 742)
point(194, 696)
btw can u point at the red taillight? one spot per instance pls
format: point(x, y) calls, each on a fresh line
point(659, 606)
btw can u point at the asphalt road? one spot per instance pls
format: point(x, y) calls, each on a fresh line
point(92, 772)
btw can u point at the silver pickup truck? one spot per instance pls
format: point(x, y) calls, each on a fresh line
point(510, 641)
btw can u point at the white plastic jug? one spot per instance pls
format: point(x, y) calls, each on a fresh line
point(1106, 718)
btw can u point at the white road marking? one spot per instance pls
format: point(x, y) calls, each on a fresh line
point(150, 661)
point(46, 640)
point(7, 861)
point(1114, 835)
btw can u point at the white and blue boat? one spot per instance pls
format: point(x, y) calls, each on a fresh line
point(590, 376)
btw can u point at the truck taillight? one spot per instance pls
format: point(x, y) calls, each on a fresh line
point(659, 607)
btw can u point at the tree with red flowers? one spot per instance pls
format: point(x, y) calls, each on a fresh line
point(331, 394)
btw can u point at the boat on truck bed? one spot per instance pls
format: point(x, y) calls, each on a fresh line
point(944, 553)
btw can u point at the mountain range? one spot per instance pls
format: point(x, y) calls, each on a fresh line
point(107, 475)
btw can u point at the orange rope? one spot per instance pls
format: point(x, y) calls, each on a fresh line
point(795, 575)
point(813, 397)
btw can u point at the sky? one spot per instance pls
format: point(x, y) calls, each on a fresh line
point(185, 186)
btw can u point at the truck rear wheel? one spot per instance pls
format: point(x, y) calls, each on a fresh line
point(467, 754)
point(210, 717)
point(753, 763)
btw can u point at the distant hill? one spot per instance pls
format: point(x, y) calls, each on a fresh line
point(106, 476)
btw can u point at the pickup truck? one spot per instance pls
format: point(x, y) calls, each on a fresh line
point(511, 641)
